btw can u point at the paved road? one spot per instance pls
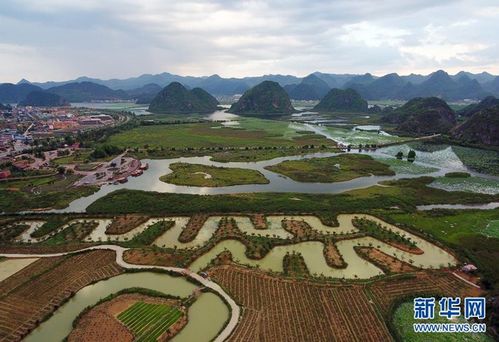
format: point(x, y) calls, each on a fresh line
point(235, 310)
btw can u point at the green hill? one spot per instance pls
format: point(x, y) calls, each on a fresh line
point(266, 98)
point(310, 88)
point(423, 116)
point(43, 99)
point(488, 102)
point(338, 100)
point(481, 128)
point(87, 91)
point(176, 99)
point(13, 93)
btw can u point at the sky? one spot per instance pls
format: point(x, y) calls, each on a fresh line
point(64, 39)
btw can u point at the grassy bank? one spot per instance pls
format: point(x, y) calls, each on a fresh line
point(405, 193)
point(339, 168)
point(212, 176)
point(54, 191)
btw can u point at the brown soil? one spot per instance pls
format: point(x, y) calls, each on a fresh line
point(259, 221)
point(39, 294)
point(333, 256)
point(192, 228)
point(125, 223)
point(391, 264)
point(227, 228)
point(405, 248)
point(101, 324)
point(299, 229)
point(151, 257)
point(38, 249)
point(301, 310)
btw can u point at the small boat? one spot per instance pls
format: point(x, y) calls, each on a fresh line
point(122, 180)
point(144, 166)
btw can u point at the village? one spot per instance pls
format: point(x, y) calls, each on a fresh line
point(39, 141)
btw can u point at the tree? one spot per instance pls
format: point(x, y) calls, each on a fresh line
point(411, 156)
point(400, 155)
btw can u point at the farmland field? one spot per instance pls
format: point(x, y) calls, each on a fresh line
point(149, 321)
point(204, 135)
point(36, 291)
point(319, 310)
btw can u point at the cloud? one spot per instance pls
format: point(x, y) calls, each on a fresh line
point(63, 39)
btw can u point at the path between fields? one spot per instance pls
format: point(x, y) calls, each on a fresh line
point(235, 310)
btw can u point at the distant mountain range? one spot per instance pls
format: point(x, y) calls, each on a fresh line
point(463, 85)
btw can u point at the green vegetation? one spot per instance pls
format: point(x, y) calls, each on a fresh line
point(74, 232)
point(482, 128)
point(449, 226)
point(403, 321)
point(464, 231)
point(480, 160)
point(310, 88)
point(338, 100)
point(339, 168)
point(355, 137)
point(492, 229)
point(10, 231)
point(212, 176)
point(175, 98)
point(151, 233)
point(253, 136)
point(422, 116)
point(149, 321)
point(472, 184)
point(266, 98)
point(54, 191)
point(411, 156)
point(404, 167)
point(86, 92)
point(43, 99)
point(105, 151)
point(486, 103)
point(50, 226)
point(457, 175)
point(377, 231)
point(404, 193)
point(83, 158)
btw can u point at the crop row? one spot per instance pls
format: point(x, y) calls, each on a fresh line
point(42, 292)
point(149, 321)
point(299, 310)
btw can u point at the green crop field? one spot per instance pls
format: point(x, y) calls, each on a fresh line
point(252, 132)
point(452, 226)
point(492, 229)
point(404, 318)
point(149, 321)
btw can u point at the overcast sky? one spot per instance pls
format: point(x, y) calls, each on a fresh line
point(64, 39)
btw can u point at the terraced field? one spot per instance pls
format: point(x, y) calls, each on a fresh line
point(149, 321)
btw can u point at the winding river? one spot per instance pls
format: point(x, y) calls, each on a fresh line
point(149, 181)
